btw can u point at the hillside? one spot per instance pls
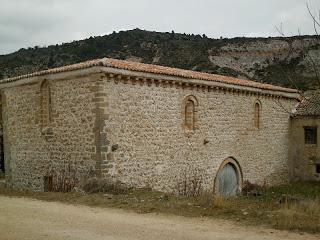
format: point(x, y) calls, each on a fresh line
point(282, 61)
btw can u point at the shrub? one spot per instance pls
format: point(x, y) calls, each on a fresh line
point(252, 189)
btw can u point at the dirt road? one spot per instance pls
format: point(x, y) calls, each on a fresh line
point(22, 219)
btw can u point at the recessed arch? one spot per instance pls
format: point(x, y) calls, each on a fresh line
point(228, 180)
point(189, 113)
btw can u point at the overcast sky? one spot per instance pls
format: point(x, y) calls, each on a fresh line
point(27, 23)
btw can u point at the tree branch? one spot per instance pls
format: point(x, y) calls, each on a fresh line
point(315, 21)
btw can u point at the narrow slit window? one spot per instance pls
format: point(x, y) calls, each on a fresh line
point(257, 115)
point(317, 168)
point(45, 102)
point(189, 115)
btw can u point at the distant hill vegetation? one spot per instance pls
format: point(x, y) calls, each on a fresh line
point(283, 61)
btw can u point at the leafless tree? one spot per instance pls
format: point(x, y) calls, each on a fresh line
point(315, 19)
point(316, 26)
point(303, 49)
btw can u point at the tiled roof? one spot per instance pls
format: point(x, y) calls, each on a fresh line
point(309, 107)
point(156, 69)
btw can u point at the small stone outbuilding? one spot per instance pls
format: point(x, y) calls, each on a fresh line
point(144, 125)
point(305, 140)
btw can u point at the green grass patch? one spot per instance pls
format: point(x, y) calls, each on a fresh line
point(308, 190)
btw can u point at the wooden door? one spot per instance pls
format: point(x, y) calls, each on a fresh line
point(228, 181)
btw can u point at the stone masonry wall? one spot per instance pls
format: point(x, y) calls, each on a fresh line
point(133, 132)
point(153, 150)
point(65, 148)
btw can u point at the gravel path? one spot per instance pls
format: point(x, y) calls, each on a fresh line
point(22, 219)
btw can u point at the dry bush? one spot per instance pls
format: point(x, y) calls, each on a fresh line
point(187, 174)
point(64, 177)
point(190, 184)
point(62, 180)
point(98, 185)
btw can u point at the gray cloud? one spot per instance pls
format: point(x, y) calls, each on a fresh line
point(26, 23)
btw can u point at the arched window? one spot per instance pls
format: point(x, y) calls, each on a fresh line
point(189, 109)
point(257, 114)
point(45, 102)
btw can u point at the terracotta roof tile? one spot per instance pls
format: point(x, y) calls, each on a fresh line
point(156, 69)
point(141, 67)
point(309, 107)
point(77, 66)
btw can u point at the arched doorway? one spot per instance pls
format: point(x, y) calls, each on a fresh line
point(228, 181)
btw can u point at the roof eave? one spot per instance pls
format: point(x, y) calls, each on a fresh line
point(294, 95)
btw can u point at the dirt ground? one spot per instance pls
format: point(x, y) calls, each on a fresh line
point(24, 219)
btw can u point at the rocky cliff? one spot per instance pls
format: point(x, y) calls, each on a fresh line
point(291, 62)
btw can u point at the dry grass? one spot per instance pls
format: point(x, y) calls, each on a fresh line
point(98, 185)
point(220, 202)
point(304, 215)
point(263, 210)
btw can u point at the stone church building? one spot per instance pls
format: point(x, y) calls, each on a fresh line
point(145, 126)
